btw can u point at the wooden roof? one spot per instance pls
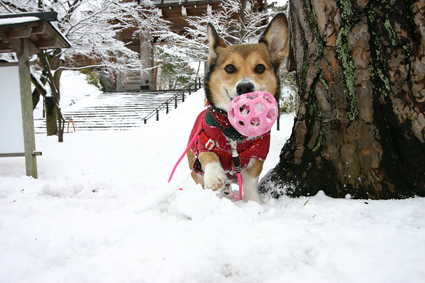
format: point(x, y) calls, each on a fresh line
point(172, 10)
point(34, 26)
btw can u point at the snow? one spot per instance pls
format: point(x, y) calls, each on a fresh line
point(102, 211)
point(18, 20)
point(74, 88)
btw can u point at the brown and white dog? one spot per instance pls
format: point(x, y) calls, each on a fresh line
point(235, 70)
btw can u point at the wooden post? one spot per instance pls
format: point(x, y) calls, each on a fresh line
point(26, 105)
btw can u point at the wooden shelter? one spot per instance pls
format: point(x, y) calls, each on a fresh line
point(25, 34)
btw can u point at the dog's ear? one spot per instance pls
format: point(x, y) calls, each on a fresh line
point(276, 38)
point(214, 42)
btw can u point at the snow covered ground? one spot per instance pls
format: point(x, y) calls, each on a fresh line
point(102, 211)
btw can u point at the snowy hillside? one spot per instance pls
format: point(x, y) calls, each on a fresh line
point(102, 211)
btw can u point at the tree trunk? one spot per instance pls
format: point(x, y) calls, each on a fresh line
point(51, 113)
point(359, 126)
point(61, 122)
point(38, 89)
point(50, 102)
point(243, 20)
point(54, 118)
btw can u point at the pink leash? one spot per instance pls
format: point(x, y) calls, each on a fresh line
point(234, 154)
point(184, 153)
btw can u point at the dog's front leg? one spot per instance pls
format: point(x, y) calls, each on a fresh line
point(214, 176)
point(250, 177)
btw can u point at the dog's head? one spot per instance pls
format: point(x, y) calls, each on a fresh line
point(239, 69)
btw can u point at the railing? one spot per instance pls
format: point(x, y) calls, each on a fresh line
point(173, 100)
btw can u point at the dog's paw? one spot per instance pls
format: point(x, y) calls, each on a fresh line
point(214, 177)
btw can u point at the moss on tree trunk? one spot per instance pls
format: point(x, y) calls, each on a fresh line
point(359, 126)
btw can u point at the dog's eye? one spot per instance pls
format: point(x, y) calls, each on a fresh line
point(230, 69)
point(260, 69)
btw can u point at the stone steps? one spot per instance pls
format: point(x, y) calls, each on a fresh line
point(112, 111)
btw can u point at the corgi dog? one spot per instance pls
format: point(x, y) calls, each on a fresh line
point(235, 70)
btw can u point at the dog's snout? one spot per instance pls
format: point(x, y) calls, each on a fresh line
point(244, 87)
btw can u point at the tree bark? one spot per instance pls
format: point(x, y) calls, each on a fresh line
point(38, 89)
point(359, 126)
point(61, 122)
point(243, 19)
point(54, 118)
point(51, 113)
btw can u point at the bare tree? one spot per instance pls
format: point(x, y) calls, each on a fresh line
point(233, 17)
point(359, 126)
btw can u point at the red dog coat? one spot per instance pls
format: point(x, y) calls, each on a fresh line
point(211, 138)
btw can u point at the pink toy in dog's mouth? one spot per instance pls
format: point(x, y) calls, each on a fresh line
point(253, 114)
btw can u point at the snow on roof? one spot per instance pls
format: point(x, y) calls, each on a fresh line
point(24, 18)
point(61, 34)
point(20, 20)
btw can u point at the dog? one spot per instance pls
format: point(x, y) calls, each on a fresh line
point(235, 70)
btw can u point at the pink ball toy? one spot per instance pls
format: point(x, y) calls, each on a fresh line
point(253, 114)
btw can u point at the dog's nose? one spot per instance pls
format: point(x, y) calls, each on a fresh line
point(244, 87)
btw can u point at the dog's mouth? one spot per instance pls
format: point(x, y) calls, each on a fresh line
point(229, 96)
point(233, 94)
